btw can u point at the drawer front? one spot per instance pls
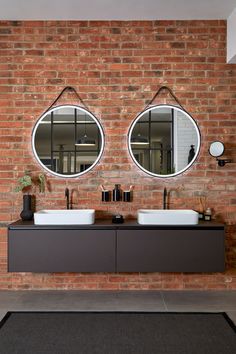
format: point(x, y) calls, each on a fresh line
point(61, 251)
point(170, 251)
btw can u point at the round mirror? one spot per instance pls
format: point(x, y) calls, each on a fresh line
point(164, 140)
point(216, 149)
point(68, 141)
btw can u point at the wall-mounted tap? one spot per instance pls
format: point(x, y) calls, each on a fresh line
point(165, 194)
point(67, 195)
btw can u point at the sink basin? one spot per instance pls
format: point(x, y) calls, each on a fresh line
point(167, 217)
point(65, 217)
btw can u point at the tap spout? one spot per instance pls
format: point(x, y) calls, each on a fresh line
point(73, 191)
point(165, 204)
point(67, 195)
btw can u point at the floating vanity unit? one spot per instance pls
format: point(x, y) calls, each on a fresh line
point(106, 247)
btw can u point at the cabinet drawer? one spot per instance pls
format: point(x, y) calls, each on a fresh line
point(61, 250)
point(170, 251)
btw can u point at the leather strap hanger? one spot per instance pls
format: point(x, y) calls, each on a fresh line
point(162, 88)
point(71, 89)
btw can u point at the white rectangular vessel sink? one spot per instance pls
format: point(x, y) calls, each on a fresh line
point(65, 217)
point(167, 217)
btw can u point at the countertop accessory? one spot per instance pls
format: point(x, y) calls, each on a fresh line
point(27, 213)
point(207, 214)
point(117, 219)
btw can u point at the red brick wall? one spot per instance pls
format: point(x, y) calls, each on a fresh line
point(117, 67)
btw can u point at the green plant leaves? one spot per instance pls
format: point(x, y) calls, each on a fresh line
point(27, 181)
point(23, 182)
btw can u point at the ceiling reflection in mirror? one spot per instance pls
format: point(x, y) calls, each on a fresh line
point(68, 141)
point(164, 140)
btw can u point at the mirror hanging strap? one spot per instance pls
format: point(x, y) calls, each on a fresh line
point(162, 88)
point(67, 88)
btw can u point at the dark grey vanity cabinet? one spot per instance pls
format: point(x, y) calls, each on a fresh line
point(61, 251)
point(170, 250)
point(105, 247)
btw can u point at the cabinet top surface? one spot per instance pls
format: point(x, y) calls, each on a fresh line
point(106, 224)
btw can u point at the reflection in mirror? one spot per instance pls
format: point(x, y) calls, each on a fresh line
point(216, 149)
point(164, 140)
point(68, 140)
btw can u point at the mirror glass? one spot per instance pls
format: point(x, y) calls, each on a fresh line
point(164, 140)
point(68, 141)
point(216, 149)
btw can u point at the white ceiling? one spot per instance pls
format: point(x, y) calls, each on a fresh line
point(115, 9)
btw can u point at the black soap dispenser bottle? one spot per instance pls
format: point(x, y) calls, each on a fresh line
point(117, 193)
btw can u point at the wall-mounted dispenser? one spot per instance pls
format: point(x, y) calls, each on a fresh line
point(216, 150)
point(118, 195)
point(106, 194)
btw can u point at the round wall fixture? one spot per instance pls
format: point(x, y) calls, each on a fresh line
point(216, 149)
point(68, 141)
point(164, 140)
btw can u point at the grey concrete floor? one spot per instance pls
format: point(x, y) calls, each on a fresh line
point(176, 301)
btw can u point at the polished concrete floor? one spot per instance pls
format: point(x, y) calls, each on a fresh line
point(176, 301)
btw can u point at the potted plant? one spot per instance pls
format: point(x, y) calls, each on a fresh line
point(25, 184)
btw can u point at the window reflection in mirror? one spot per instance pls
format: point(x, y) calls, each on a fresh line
point(57, 143)
point(164, 140)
